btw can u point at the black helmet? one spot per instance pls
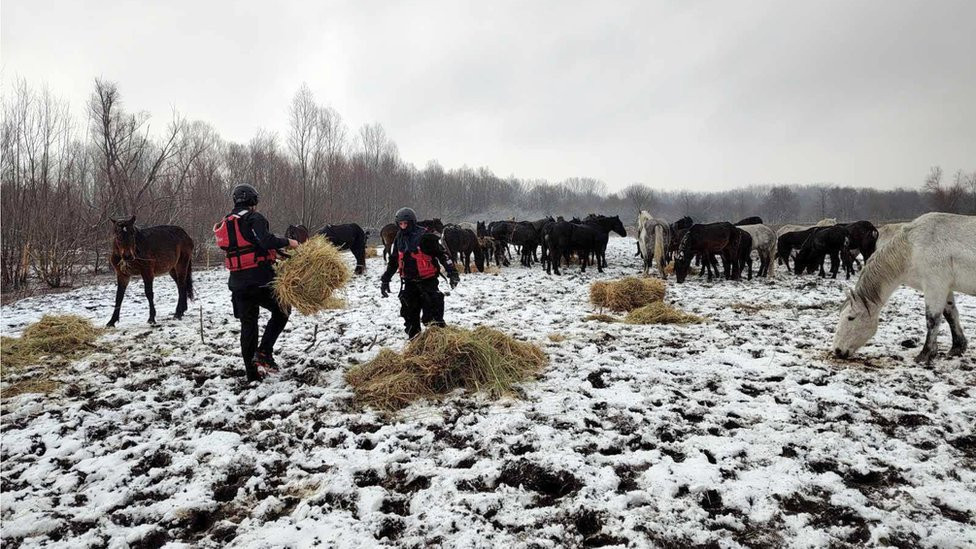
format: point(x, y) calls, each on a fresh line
point(245, 195)
point(406, 214)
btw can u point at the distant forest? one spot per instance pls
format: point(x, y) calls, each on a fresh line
point(65, 174)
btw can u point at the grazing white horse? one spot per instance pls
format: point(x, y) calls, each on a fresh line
point(935, 254)
point(653, 238)
point(764, 242)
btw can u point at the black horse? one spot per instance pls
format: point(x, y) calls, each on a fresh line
point(744, 256)
point(823, 241)
point(347, 236)
point(604, 224)
point(564, 237)
point(787, 242)
point(754, 220)
point(707, 240)
point(677, 231)
point(864, 238)
point(464, 242)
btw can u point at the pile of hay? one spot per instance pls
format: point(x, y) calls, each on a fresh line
point(626, 294)
point(371, 251)
point(441, 360)
point(660, 313)
point(61, 335)
point(307, 279)
point(600, 318)
point(54, 336)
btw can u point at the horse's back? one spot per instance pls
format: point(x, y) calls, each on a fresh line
point(942, 247)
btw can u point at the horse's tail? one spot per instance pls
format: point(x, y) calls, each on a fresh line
point(773, 257)
point(189, 278)
point(659, 249)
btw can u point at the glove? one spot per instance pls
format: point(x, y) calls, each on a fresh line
point(385, 288)
point(455, 278)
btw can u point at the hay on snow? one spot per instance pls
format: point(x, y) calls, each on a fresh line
point(440, 360)
point(66, 336)
point(660, 313)
point(626, 293)
point(307, 279)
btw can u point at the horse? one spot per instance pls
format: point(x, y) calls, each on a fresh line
point(487, 244)
point(501, 232)
point(864, 238)
point(764, 242)
point(678, 226)
point(789, 241)
point(151, 252)
point(348, 236)
point(653, 238)
point(823, 241)
point(389, 231)
point(707, 240)
point(742, 253)
point(565, 237)
point(463, 242)
point(933, 254)
point(481, 228)
point(754, 220)
point(605, 225)
point(527, 235)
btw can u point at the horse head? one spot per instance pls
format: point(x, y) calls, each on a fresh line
point(858, 322)
point(125, 237)
point(617, 226)
point(297, 232)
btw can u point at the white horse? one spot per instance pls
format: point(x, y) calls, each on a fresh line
point(935, 254)
point(656, 233)
point(764, 242)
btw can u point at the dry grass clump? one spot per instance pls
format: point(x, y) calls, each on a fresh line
point(441, 360)
point(660, 313)
point(669, 268)
point(64, 336)
point(627, 293)
point(556, 337)
point(371, 251)
point(307, 279)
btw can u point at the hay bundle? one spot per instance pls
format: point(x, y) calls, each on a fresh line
point(660, 313)
point(307, 279)
point(441, 360)
point(627, 293)
point(63, 335)
point(371, 251)
point(669, 268)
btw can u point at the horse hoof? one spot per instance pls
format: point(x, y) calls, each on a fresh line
point(152, 322)
point(924, 357)
point(957, 351)
point(110, 324)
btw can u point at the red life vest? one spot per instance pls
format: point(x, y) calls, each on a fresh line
point(241, 253)
point(425, 264)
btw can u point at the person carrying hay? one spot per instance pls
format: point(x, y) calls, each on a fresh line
point(417, 255)
point(250, 246)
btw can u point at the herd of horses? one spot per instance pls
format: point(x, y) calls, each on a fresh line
point(662, 243)
point(555, 242)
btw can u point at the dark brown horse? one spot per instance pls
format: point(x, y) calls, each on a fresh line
point(707, 240)
point(460, 244)
point(148, 253)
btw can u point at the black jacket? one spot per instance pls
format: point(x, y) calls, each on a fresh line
point(254, 227)
point(413, 239)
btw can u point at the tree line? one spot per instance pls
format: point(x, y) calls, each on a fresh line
point(64, 176)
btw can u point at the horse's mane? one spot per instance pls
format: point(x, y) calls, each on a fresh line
point(884, 267)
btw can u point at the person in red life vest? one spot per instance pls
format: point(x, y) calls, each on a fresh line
point(417, 255)
point(251, 254)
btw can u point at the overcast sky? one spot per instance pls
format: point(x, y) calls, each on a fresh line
point(682, 94)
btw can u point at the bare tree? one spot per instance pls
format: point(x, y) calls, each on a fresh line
point(640, 196)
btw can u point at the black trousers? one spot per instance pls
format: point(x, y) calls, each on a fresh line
point(421, 302)
point(247, 308)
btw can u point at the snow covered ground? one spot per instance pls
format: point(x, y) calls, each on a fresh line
point(738, 432)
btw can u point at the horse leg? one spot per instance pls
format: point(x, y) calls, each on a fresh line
point(951, 315)
point(121, 282)
point(147, 282)
point(360, 255)
point(935, 305)
point(467, 262)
